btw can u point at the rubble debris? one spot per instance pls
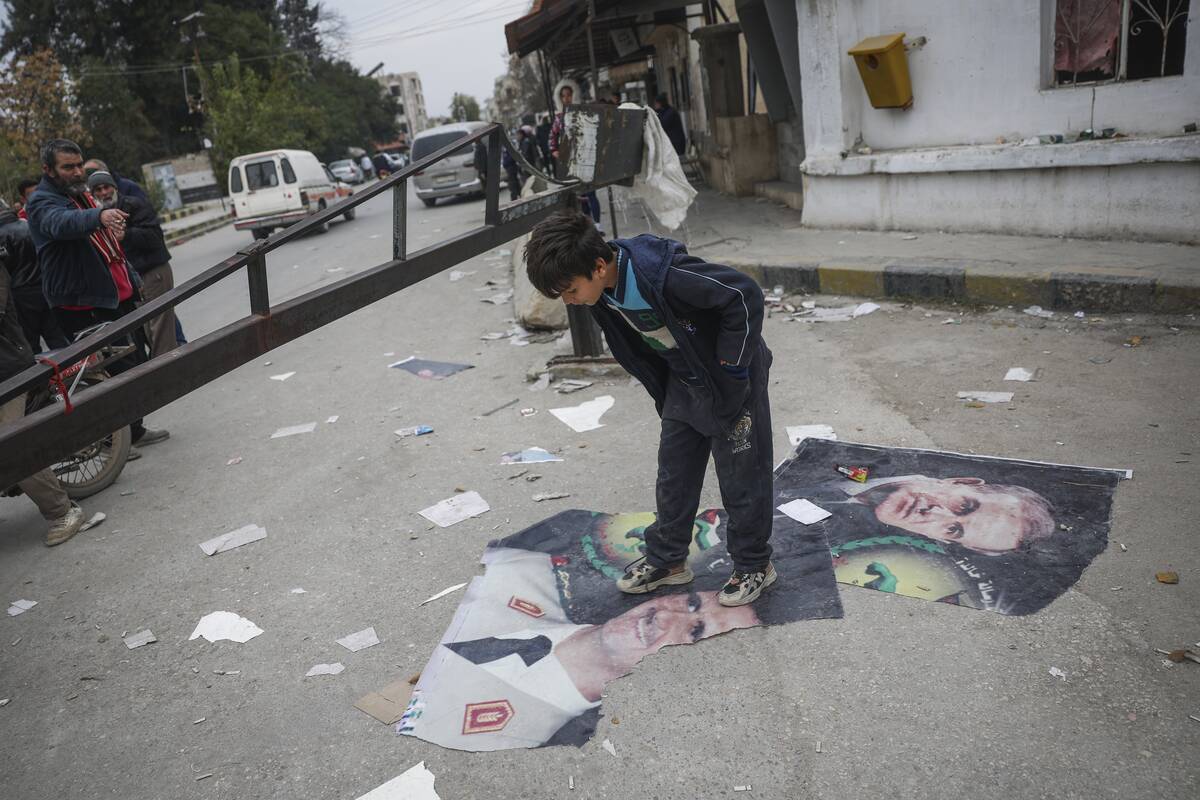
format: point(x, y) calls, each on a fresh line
point(233, 461)
point(336, 668)
point(359, 640)
point(307, 427)
point(538, 498)
point(986, 397)
point(1058, 673)
point(571, 385)
point(1038, 311)
point(226, 625)
point(332, 419)
point(139, 639)
point(455, 509)
point(1168, 576)
point(609, 748)
point(95, 520)
point(415, 430)
point(542, 383)
point(530, 455)
point(283, 376)
point(528, 412)
point(20, 607)
point(1019, 374)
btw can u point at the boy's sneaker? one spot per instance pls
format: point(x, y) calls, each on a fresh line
point(65, 526)
point(644, 578)
point(745, 587)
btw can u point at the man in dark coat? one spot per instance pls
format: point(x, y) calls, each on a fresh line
point(146, 250)
point(85, 277)
point(672, 123)
point(124, 185)
point(43, 487)
point(37, 320)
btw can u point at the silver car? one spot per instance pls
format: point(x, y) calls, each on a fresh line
point(452, 176)
point(348, 171)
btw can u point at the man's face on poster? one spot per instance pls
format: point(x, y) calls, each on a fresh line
point(667, 620)
point(955, 510)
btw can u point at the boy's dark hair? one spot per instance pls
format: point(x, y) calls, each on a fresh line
point(563, 246)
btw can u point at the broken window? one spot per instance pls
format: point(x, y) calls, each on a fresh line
point(1100, 41)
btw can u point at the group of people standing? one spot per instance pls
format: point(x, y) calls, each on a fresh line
point(84, 247)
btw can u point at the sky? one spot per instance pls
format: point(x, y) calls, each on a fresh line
point(455, 45)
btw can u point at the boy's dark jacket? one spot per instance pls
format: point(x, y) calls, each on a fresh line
point(72, 272)
point(713, 312)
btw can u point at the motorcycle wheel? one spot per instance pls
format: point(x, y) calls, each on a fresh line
point(95, 467)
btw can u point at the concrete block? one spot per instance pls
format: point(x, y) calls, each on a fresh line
point(925, 281)
point(862, 280)
point(1101, 290)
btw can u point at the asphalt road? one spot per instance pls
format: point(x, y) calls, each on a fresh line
point(904, 698)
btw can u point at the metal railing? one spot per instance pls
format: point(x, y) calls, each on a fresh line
point(48, 435)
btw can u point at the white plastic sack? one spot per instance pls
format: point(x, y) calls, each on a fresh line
point(661, 184)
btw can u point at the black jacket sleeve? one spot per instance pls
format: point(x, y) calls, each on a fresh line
point(144, 243)
point(735, 297)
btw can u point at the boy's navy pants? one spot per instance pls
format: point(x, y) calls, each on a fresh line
point(744, 472)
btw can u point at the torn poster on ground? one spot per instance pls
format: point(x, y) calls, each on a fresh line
point(541, 632)
point(988, 533)
point(585, 416)
point(430, 370)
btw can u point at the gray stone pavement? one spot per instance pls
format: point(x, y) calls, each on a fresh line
point(906, 698)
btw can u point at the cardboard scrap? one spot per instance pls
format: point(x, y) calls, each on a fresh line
point(360, 640)
point(389, 703)
point(415, 783)
point(804, 511)
point(20, 607)
point(135, 640)
point(228, 541)
point(455, 509)
point(1019, 374)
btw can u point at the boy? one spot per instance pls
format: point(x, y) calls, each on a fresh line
point(690, 331)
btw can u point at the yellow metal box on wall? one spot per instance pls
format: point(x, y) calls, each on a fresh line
point(884, 70)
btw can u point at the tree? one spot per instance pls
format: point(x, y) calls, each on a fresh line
point(114, 118)
point(247, 113)
point(464, 108)
point(355, 111)
point(35, 106)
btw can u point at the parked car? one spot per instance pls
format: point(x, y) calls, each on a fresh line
point(276, 188)
point(347, 170)
point(454, 175)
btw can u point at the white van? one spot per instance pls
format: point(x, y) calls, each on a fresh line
point(276, 188)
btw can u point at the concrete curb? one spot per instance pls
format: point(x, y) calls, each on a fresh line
point(991, 283)
point(183, 234)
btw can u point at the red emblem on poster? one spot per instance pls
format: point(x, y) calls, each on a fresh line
point(525, 607)
point(487, 717)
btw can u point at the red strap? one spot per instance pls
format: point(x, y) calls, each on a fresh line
point(57, 382)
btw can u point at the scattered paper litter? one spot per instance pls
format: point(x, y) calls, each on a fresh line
point(443, 593)
point(96, 519)
point(415, 430)
point(528, 412)
point(538, 498)
point(798, 433)
point(804, 511)
point(233, 461)
point(225, 625)
point(430, 370)
point(747, 787)
point(1019, 374)
point(530, 455)
point(332, 419)
point(542, 383)
point(336, 668)
point(608, 748)
point(415, 783)
point(494, 336)
point(20, 607)
point(139, 639)
point(986, 397)
point(585, 416)
point(498, 299)
point(862, 309)
point(809, 304)
point(839, 314)
point(1058, 673)
point(1079, 315)
point(458, 274)
point(455, 509)
point(360, 640)
point(298, 590)
point(228, 541)
point(307, 427)
point(1038, 311)
point(283, 376)
point(4, 702)
point(571, 385)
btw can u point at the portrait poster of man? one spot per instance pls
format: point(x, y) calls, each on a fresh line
point(541, 632)
point(988, 533)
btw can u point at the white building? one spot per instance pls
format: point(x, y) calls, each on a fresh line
point(988, 79)
point(406, 88)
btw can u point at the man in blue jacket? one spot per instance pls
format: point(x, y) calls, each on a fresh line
point(85, 276)
point(691, 332)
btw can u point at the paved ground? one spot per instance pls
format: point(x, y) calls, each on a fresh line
point(906, 698)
